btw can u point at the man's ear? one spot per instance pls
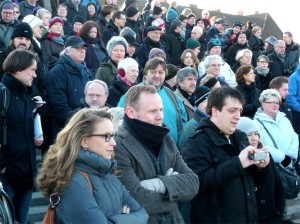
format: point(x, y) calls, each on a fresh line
point(130, 112)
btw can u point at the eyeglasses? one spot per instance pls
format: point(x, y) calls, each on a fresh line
point(122, 18)
point(7, 13)
point(107, 137)
point(16, 12)
point(273, 103)
point(264, 62)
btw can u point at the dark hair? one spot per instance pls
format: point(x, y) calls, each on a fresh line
point(117, 15)
point(277, 82)
point(217, 98)
point(133, 95)
point(18, 60)
point(106, 10)
point(86, 27)
point(289, 34)
point(243, 70)
point(182, 17)
point(153, 63)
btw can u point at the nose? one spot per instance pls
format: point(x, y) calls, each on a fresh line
point(112, 142)
point(34, 75)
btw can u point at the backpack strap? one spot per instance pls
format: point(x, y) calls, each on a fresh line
point(173, 98)
point(270, 136)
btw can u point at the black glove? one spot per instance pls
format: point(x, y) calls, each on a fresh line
point(287, 160)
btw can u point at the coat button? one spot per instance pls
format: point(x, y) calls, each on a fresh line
point(262, 201)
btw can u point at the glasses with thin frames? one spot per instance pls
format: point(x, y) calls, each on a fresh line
point(107, 137)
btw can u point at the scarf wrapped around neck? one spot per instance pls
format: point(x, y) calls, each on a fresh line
point(261, 71)
point(57, 38)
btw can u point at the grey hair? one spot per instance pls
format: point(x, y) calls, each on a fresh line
point(96, 81)
point(209, 58)
point(241, 53)
point(198, 29)
point(127, 30)
point(114, 41)
point(41, 12)
point(126, 62)
point(266, 94)
point(118, 116)
point(185, 72)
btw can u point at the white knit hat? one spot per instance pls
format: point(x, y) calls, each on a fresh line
point(246, 125)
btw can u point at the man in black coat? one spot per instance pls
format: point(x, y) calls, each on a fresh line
point(75, 8)
point(18, 157)
point(219, 155)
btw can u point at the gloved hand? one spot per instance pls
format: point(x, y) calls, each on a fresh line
point(154, 184)
point(170, 172)
point(287, 160)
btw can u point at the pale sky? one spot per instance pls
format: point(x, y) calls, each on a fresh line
point(285, 13)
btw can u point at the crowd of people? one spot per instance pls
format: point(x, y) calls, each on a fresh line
point(160, 108)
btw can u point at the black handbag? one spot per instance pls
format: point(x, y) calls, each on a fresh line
point(288, 175)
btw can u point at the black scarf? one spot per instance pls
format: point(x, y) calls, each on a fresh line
point(149, 135)
point(190, 98)
point(250, 92)
point(90, 56)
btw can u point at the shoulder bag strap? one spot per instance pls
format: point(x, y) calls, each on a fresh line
point(86, 176)
point(271, 137)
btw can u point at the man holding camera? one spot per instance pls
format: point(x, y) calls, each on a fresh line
point(220, 156)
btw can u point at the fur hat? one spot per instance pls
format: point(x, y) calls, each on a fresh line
point(33, 21)
point(246, 125)
point(22, 29)
point(78, 19)
point(201, 94)
point(55, 19)
point(171, 14)
point(172, 71)
point(6, 5)
point(131, 11)
point(191, 43)
point(114, 41)
point(155, 51)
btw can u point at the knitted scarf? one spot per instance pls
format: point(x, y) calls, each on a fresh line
point(262, 72)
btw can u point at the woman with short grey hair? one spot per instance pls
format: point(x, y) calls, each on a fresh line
point(275, 129)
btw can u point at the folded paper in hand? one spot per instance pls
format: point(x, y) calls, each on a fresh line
point(38, 131)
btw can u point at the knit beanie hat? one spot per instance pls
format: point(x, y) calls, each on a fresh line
point(246, 125)
point(55, 20)
point(114, 41)
point(201, 94)
point(78, 19)
point(191, 43)
point(171, 14)
point(131, 11)
point(175, 23)
point(158, 22)
point(33, 21)
point(172, 71)
point(157, 10)
point(6, 5)
point(22, 29)
point(271, 40)
point(155, 51)
point(238, 24)
point(212, 43)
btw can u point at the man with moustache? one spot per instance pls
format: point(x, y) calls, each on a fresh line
point(21, 38)
point(66, 82)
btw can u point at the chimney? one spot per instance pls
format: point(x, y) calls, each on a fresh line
point(240, 13)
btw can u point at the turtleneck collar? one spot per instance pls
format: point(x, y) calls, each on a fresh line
point(151, 136)
point(190, 98)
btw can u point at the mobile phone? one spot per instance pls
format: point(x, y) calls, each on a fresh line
point(261, 155)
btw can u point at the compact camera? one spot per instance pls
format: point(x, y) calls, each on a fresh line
point(261, 155)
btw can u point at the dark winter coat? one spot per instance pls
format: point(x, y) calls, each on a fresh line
point(104, 204)
point(292, 53)
point(72, 12)
point(102, 22)
point(262, 82)
point(110, 31)
point(227, 190)
point(107, 72)
point(65, 88)
point(257, 46)
point(19, 156)
point(51, 48)
point(232, 51)
point(136, 165)
point(26, 9)
point(117, 89)
point(251, 95)
point(137, 27)
point(276, 66)
point(174, 46)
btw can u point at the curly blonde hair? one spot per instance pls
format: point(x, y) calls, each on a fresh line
point(58, 165)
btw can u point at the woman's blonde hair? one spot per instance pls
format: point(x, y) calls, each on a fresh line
point(58, 165)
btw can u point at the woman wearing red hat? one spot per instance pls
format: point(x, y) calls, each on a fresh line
point(52, 41)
